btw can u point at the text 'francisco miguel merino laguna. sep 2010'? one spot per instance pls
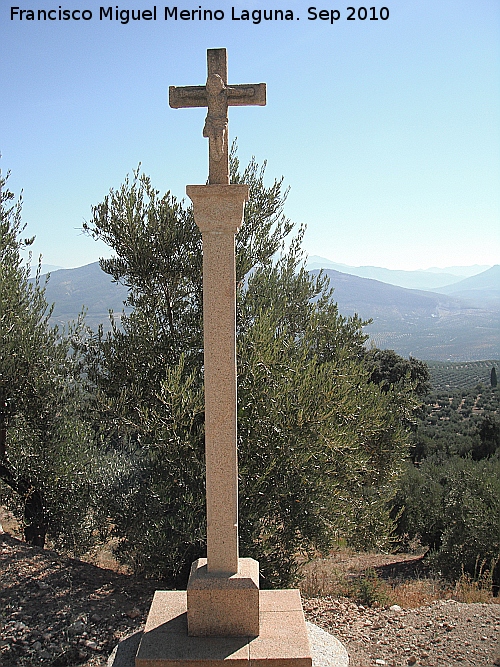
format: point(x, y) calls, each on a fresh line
point(255, 16)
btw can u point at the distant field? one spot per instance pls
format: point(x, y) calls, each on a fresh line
point(461, 375)
point(465, 336)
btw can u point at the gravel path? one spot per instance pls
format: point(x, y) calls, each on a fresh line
point(443, 633)
point(59, 612)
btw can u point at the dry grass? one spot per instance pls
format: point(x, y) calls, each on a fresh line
point(382, 580)
point(469, 589)
point(419, 592)
point(104, 557)
point(320, 582)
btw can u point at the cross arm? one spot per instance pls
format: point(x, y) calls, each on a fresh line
point(247, 94)
point(180, 97)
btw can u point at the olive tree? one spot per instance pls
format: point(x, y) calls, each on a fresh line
point(49, 470)
point(320, 444)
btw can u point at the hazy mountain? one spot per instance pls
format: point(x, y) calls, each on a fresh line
point(48, 268)
point(483, 289)
point(430, 279)
point(89, 286)
point(374, 298)
point(424, 324)
point(463, 271)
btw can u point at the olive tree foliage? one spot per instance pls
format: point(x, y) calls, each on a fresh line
point(319, 444)
point(452, 505)
point(49, 474)
point(388, 369)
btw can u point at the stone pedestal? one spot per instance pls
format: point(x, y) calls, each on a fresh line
point(326, 650)
point(283, 639)
point(222, 606)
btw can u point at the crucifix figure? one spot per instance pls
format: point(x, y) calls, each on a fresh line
point(217, 96)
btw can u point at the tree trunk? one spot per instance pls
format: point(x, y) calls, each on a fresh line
point(3, 441)
point(34, 516)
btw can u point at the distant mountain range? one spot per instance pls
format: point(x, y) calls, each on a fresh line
point(427, 280)
point(48, 268)
point(423, 324)
point(87, 287)
point(480, 290)
point(461, 322)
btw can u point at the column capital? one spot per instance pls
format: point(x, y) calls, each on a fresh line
point(218, 208)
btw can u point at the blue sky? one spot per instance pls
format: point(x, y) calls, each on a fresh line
point(386, 131)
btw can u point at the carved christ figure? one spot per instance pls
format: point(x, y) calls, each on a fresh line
point(216, 122)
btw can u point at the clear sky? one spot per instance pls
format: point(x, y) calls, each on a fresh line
point(387, 131)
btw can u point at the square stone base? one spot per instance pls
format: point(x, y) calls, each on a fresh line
point(283, 640)
point(223, 606)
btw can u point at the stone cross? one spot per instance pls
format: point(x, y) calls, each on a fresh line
point(230, 621)
point(217, 96)
point(218, 211)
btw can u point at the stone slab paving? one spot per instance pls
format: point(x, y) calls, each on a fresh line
point(326, 650)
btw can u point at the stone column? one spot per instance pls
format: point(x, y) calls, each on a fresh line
point(223, 590)
point(218, 212)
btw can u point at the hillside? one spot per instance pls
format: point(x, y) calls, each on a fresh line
point(425, 325)
point(482, 289)
point(447, 375)
point(374, 298)
point(72, 289)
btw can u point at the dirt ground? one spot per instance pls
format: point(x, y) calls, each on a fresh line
point(59, 612)
point(443, 633)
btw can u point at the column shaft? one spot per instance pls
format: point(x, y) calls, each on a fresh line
point(218, 212)
point(219, 320)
